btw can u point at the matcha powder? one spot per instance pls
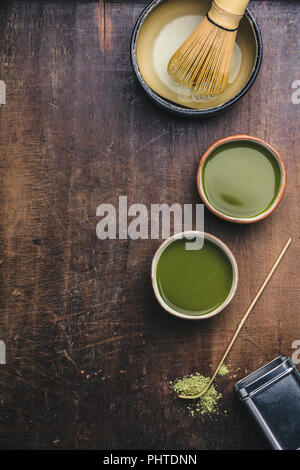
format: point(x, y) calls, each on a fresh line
point(192, 385)
point(223, 370)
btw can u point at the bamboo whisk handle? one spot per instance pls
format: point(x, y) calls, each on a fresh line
point(235, 7)
point(227, 13)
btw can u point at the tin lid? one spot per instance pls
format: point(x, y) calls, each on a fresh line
point(264, 376)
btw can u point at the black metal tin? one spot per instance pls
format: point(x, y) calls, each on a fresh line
point(176, 108)
point(272, 395)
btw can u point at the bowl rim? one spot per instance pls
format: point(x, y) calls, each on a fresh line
point(220, 244)
point(180, 109)
point(245, 138)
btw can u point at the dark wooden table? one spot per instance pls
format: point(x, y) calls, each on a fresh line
point(89, 350)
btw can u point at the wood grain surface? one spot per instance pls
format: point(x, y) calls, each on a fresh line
point(89, 350)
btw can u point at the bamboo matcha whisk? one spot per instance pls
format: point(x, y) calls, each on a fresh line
point(203, 61)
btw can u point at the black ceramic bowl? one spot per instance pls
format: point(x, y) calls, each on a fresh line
point(180, 109)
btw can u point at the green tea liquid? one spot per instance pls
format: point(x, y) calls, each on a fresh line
point(240, 179)
point(194, 282)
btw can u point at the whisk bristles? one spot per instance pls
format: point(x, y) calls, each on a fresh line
point(203, 61)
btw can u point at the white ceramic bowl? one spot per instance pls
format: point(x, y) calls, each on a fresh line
point(217, 242)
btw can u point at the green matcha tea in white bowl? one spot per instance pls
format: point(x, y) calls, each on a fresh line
point(194, 275)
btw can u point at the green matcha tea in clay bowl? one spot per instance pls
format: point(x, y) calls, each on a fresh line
point(194, 275)
point(241, 179)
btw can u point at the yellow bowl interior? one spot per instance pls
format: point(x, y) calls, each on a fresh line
point(148, 51)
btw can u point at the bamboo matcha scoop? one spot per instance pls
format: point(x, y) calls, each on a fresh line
point(241, 324)
point(203, 61)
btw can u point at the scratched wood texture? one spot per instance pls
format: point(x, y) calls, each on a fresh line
point(89, 351)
